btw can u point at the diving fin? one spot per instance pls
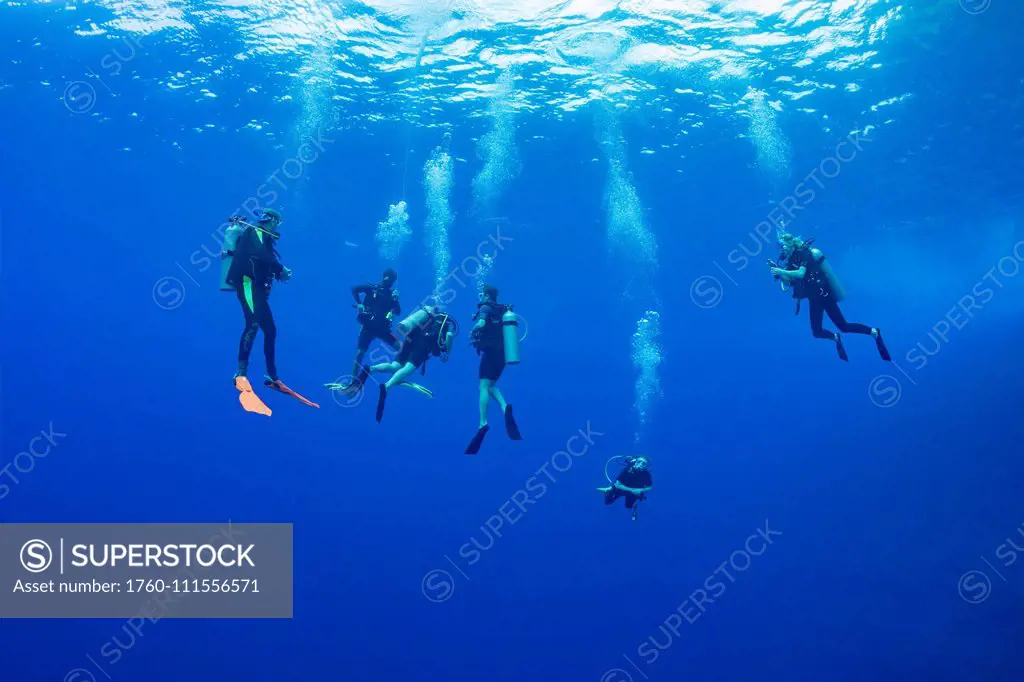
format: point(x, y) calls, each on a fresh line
point(248, 398)
point(382, 396)
point(279, 386)
point(419, 389)
point(349, 390)
point(840, 349)
point(478, 440)
point(882, 350)
point(510, 424)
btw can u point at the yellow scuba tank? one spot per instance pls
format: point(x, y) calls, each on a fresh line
point(227, 254)
point(418, 318)
point(510, 336)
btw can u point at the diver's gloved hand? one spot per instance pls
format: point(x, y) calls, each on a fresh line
point(286, 274)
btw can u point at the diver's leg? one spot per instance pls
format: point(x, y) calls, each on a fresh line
point(266, 322)
point(388, 336)
point(485, 399)
point(817, 315)
point(359, 372)
point(630, 500)
point(836, 315)
point(496, 394)
point(400, 376)
point(817, 312)
point(612, 495)
point(244, 294)
point(396, 378)
point(384, 367)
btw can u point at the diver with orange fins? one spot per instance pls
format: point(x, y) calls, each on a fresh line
point(806, 271)
point(495, 336)
point(427, 332)
point(250, 265)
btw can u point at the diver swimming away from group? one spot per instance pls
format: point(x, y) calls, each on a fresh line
point(495, 336)
point(377, 309)
point(251, 264)
point(808, 273)
point(426, 332)
point(633, 482)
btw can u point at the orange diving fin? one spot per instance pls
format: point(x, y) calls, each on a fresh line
point(250, 401)
point(280, 387)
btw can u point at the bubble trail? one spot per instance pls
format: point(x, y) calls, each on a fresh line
point(629, 237)
point(647, 358)
point(627, 232)
point(394, 232)
point(497, 148)
point(438, 178)
point(773, 149)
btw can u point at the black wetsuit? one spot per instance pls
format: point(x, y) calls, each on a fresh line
point(490, 344)
point(631, 479)
point(378, 300)
point(420, 343)
point(815, 287)
point(258, 261)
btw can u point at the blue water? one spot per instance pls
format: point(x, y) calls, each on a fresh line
point(636, 159)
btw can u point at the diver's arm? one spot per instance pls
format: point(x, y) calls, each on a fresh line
point(361, 289)
point(636, 491)
point(278, 270)
point(482, 315)
point(790, 274)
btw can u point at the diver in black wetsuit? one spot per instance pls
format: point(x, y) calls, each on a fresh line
point(633, 483)
point(811, 277)
point(488, 340)
point(432, 337)
point(377, 309)
point(254, 267)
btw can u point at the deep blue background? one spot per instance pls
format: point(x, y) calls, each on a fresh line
point(881, 509)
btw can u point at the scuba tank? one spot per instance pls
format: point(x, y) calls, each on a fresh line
point(227, 254)
point(418, 318)
point(510, 336)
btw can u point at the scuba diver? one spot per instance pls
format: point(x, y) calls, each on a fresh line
point(495, 336)
point(427, 332)
point(810, 276)
point(251, 265)
point(633, 482)
point(377, 308)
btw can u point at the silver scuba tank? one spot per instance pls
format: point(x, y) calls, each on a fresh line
point(227, 254)
point(418, 318)
point(510, 336)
